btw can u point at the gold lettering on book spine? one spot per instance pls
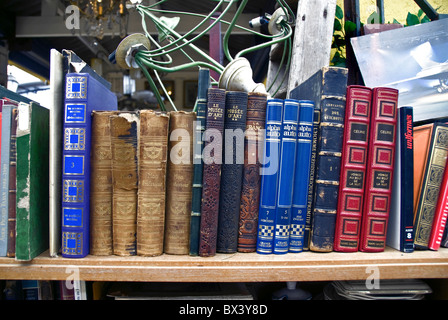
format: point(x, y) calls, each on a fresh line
point(101, 185)
point(124, 128)
point(153, 147)
point(179, 183)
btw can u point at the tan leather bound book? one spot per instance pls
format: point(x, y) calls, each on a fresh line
point(101, 185)
point(153, 146)
point(179, 183)
point(124, 129)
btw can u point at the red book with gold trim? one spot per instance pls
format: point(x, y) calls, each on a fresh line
point(440, 215)
point(353, 168)
point(379, 178)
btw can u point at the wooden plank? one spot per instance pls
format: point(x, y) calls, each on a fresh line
point(240, 267)
point(312, 40)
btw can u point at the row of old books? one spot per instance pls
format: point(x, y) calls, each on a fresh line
point(365, 191)
point(24, 176)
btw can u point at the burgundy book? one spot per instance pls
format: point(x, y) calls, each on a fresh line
point(353, 168)
point(212, 171)
point(379, 178)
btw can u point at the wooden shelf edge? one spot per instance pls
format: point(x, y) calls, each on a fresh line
point(240, 267)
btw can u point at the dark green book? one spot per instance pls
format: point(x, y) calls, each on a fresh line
point(32, 225)
point(195, 221)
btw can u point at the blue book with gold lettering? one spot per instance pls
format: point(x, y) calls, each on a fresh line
point(288, 140)
point(83, 94)
point(269, 176)
point(302, 176)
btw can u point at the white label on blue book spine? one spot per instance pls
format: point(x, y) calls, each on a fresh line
point(72, 217)
point(76, 88)
point(73, 165)
point(75, 113)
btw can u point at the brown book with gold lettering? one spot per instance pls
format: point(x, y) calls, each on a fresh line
point(153, 154)
point(124, 129)
point(211, 179)
point(179, 183)
point(101, 185)
point(250, 192)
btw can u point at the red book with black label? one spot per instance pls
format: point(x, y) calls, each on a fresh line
point(380, 166)
point(353, 168)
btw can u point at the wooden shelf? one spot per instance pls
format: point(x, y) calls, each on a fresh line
point(240, 267)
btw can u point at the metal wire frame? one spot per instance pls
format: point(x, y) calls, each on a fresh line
point(158, 58)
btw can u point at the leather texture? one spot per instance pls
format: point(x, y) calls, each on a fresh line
point(231, 171)
point(212, 171)
point(179, 183)
point(353, 168)
point(250, 189)
point(379, 176)
point(124, 181)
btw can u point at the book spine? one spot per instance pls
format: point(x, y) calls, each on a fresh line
point(440, 215)
point(379, 178)
point(212, 155)
point(195, 222)
point(101, 185)
point(250, 190)
point(123, 139)
point(152, 167)
point(231, 171)
point(400, 230)
point(12, 216)
point(329, 150)
point(286, 175)
point(5, 157)
point(179, 183)
point(353, 169)
point(302, 175)
point(310, 197)
point(32, 200)
point(269, 176)
point(431, 185)
point(76, 169)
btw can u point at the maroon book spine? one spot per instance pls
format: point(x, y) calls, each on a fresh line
point(212, 155)
point(379, 179)
point(353, 168)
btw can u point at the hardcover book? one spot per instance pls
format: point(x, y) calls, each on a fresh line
point(231, 171)
point(353, 168)
point(440, 215)
point(201, 108)
point(422, 138)
point(12, 216)
point(302, 176)
point(152, 166)
point(124, 128)
point(32, 233)
point(250, 189)
point(269, 176)
point(379, 176)
point(211, 180)
point(101, 184)
point(327, 88)
point(7, 120)
point(288, 141)
point(400, 229)
point(179, 182)
point(83, 94)
point(431, 184)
